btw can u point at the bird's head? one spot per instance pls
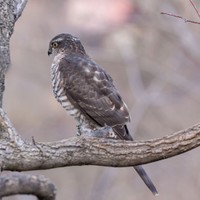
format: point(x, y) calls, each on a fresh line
point(65, 43)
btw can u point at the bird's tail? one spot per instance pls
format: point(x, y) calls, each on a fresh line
point(139, 169)
point(123, 133)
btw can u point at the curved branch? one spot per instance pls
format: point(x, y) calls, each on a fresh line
point(18, 155)
point(19, 183)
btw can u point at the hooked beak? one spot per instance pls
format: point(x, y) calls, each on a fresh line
point(49, 51)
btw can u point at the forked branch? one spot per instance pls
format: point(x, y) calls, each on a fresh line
point(184, 19)
point(19, 155)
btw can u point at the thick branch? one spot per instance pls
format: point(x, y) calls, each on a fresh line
point(19, 183)
point(18, 155)
point(10, 11)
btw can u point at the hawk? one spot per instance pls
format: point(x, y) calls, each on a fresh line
point(87, 92)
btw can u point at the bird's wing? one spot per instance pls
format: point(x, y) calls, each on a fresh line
point(91, 90)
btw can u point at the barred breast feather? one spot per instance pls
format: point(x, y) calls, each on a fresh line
point(59, 88)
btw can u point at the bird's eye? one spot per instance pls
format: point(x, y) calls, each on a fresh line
point(54, 44)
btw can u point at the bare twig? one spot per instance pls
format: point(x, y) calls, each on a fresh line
point(178, 16)
point(193, 5)
point(184, 19)
point(34, 143)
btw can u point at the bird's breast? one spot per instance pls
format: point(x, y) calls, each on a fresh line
point(59, 89)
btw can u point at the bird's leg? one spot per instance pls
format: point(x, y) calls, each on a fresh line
point(83, 129)
point(104, 132)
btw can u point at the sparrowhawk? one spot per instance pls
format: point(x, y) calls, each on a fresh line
point(87, 91)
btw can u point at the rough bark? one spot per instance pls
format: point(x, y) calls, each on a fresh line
point(19, 183)
point(19, 155)
point(10, 11)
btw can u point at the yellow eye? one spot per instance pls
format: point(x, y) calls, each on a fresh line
point(54, 44)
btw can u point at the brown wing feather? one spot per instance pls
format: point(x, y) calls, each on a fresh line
point(91, 90)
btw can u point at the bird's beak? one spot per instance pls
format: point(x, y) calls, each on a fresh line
point(49, 51)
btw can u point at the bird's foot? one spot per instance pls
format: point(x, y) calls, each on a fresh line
point(104, 132)
point(78, 133)
point(101, 132)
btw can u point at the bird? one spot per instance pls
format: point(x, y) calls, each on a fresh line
point(87, 92)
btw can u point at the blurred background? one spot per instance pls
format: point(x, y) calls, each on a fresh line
point(155, 63)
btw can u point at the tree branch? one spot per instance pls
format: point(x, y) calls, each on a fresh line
point(20, 5)
point(19, 183)
point(180, 17)
point(19, 155)
point(195, 8)
point(10, 11)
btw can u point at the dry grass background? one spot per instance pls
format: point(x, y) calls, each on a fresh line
point(155, 62)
